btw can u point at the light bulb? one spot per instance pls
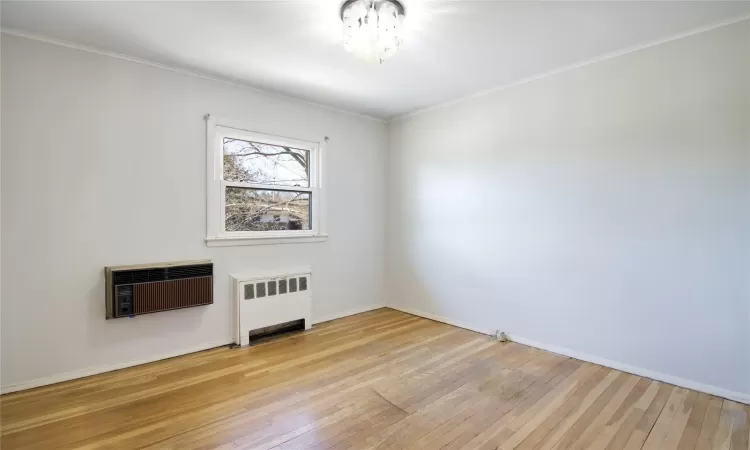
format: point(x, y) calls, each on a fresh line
point(371, 28)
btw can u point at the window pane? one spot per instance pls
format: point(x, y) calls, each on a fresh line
point(266, 210)
point(254, 162)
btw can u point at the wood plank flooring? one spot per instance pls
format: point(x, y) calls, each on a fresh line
point(382, 379)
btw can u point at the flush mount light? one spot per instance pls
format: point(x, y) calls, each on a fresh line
point(372, 28)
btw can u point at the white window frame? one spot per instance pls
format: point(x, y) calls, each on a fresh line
point(216, 130)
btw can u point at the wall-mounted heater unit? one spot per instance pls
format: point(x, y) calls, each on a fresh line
point(271, 303)
point(148, 288)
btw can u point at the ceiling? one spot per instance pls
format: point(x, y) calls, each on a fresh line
point(452, 48)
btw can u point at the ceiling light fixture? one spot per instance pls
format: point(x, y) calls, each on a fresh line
point(372, 28)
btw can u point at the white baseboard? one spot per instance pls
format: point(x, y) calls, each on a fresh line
point(648, 373)
point(442, 319)
point(350, 312)
point(709, 389)
point(67, 376)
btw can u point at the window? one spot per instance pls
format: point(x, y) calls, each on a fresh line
point(261, 187)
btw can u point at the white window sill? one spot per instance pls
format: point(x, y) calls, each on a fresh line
point(232, 241)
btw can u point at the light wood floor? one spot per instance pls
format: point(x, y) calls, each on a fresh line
point(382, 379)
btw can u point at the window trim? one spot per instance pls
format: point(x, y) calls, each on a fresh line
point(216, 235)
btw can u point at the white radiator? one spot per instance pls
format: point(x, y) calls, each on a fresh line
point(267, 299)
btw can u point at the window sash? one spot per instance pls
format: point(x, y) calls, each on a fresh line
point(247, 135)
point(311, 220)
point(310, 154)
point(218, 129)
point(313, 162)
point(266, 187)
point(314, 210)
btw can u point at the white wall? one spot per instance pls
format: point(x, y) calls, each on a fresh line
point(602, 210)
point(103, 163)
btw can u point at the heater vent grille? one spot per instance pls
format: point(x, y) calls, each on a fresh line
point(161, 274)
point(272, 302)
point(144, 289)
point(273, 287)
point(266, 333)
point(174, 294)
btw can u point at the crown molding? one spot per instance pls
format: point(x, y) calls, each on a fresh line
point(89, 49)
point(578, 65)
point(607, 56)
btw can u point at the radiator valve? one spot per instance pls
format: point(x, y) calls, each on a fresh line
point(501, 336)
